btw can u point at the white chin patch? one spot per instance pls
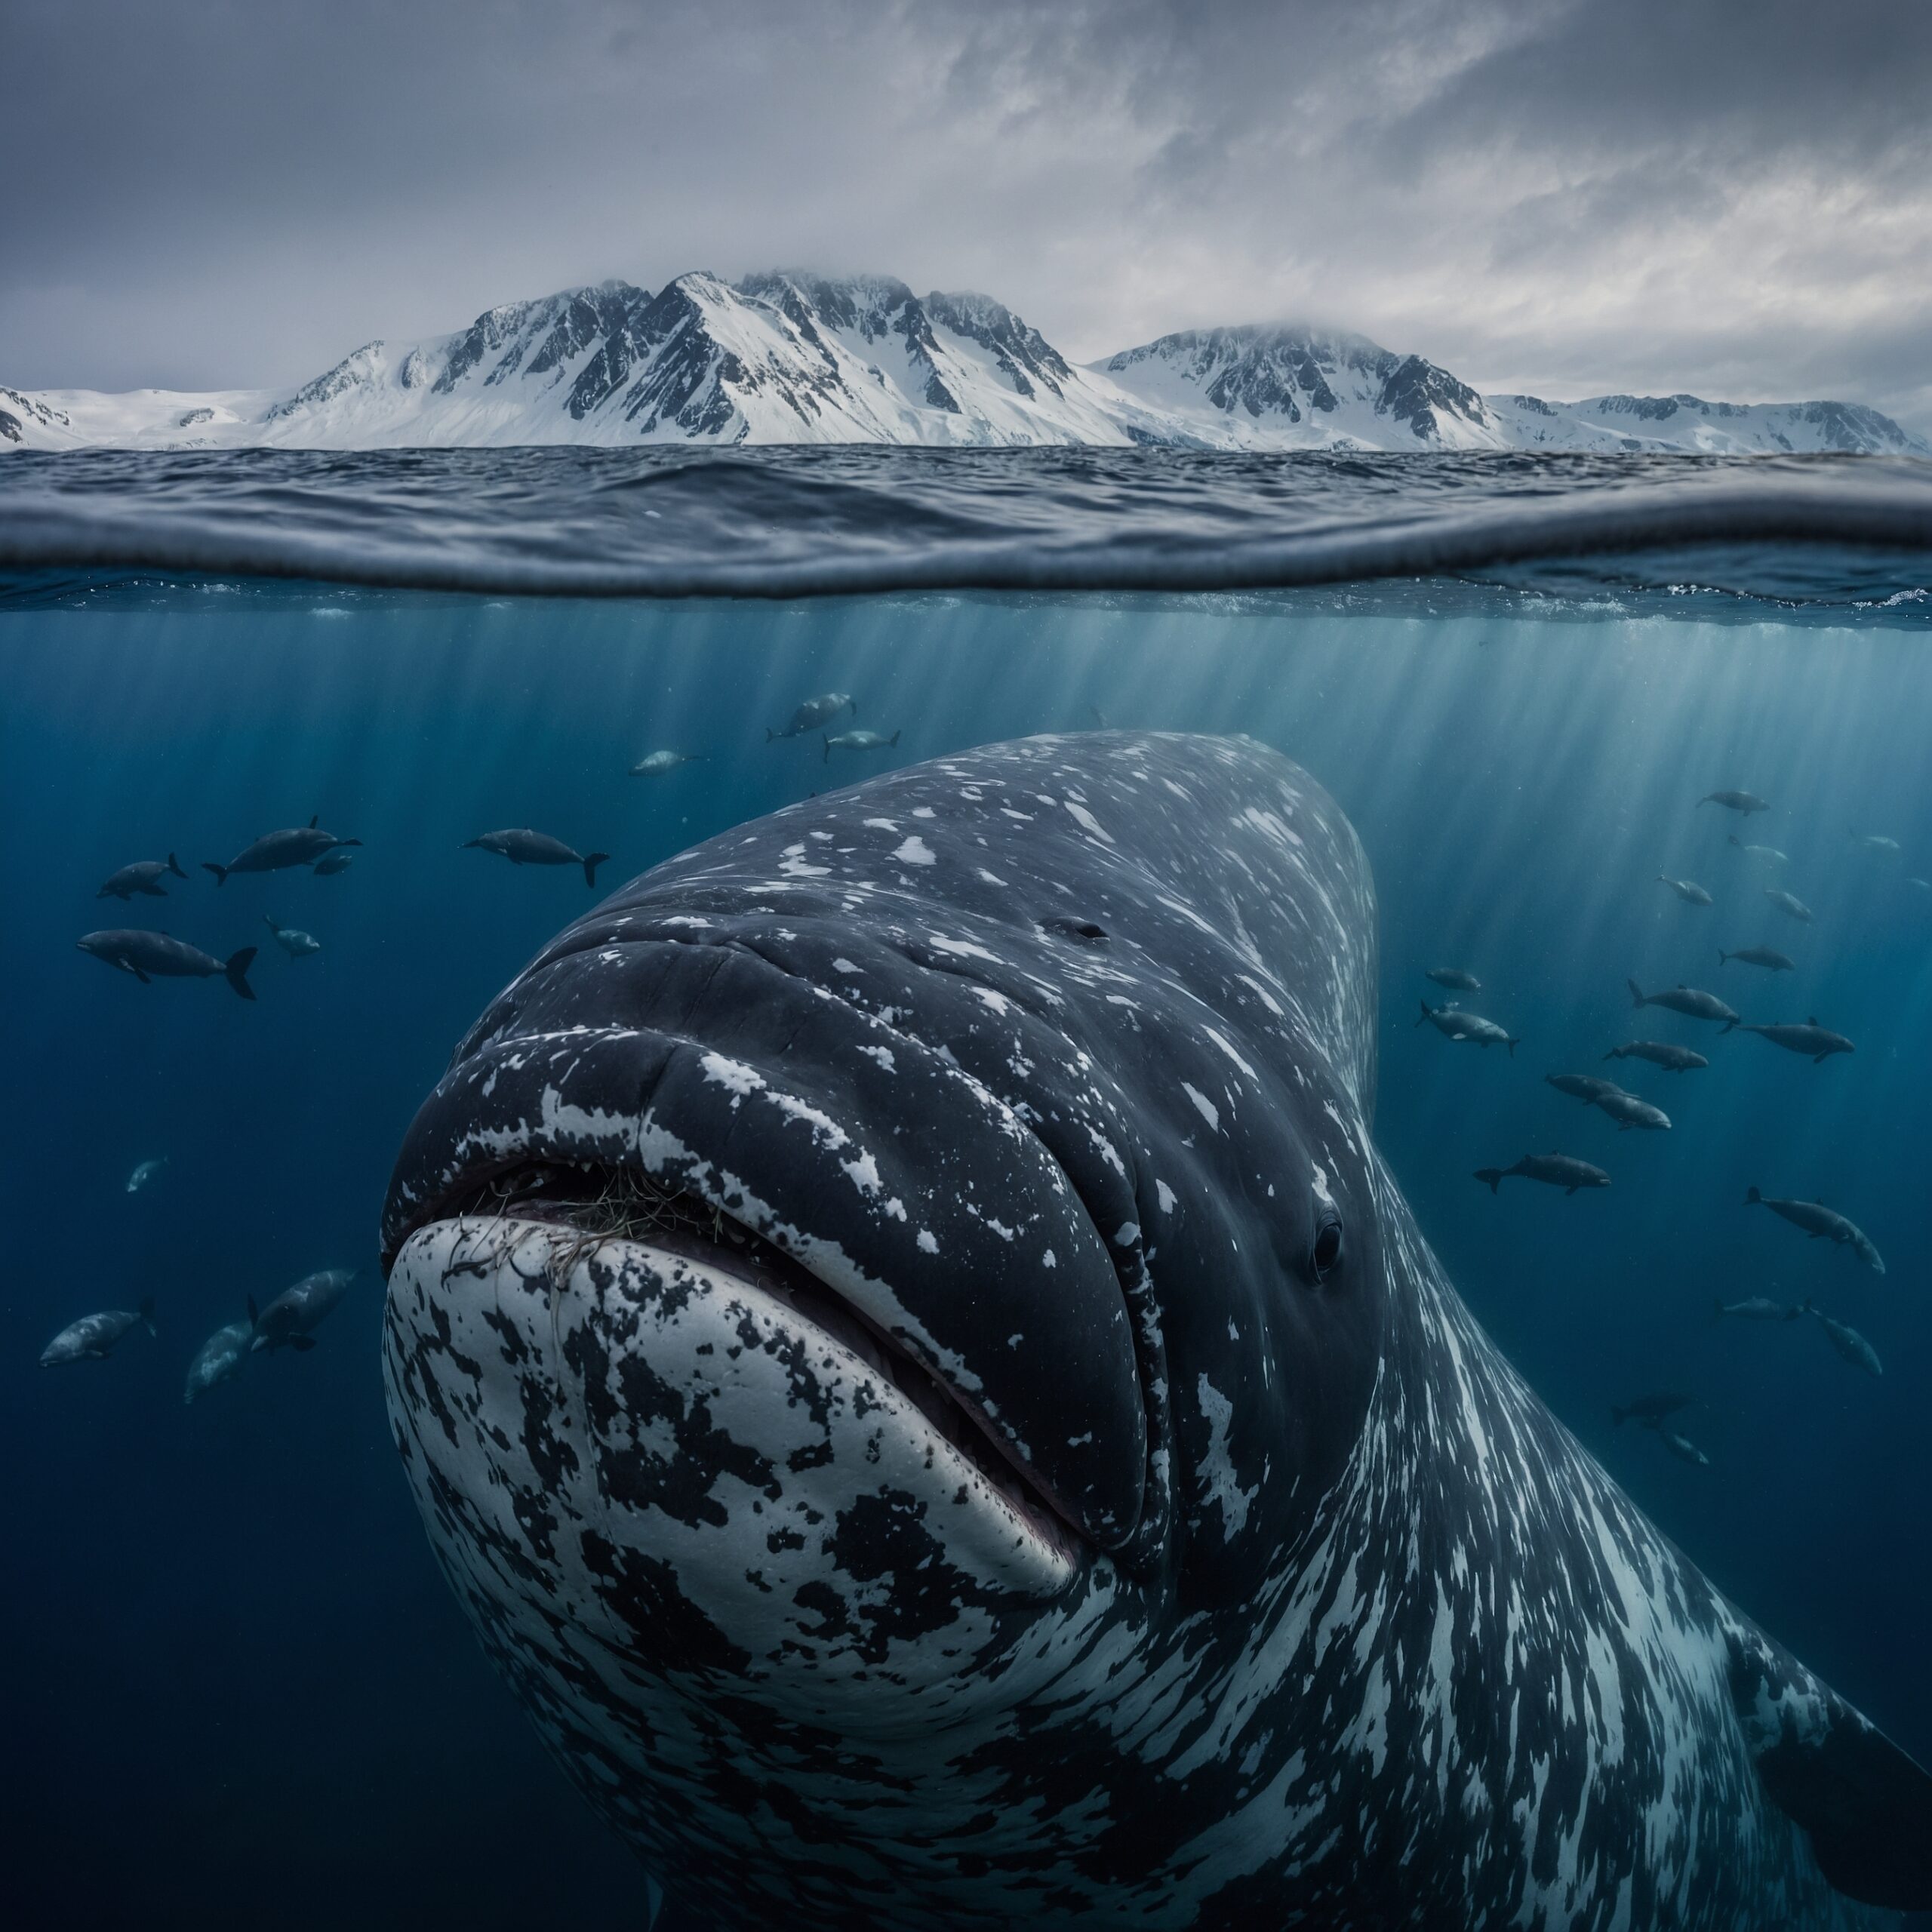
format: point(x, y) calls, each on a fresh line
point(647, 1458)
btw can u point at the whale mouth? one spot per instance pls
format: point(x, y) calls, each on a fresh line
point(603, 1203)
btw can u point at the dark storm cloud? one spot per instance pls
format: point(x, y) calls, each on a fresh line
point(1566, 197)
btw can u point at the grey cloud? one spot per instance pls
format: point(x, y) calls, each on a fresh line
point(1729, 197)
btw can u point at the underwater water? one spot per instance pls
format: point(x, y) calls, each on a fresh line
point(242, 1693)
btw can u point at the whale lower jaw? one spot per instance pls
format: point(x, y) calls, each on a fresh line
point(639, 1464)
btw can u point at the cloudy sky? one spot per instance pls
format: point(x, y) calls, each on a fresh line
point(1731, 196)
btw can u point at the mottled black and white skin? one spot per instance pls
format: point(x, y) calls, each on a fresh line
point(909, 1357)
point(92, 1338)
point(523, 847)
point(220, 1359)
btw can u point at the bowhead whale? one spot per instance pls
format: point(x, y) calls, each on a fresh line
point(908, 1356)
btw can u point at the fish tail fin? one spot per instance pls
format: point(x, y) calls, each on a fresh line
point(1725, 1028)
point(1494, 1176)
point(1794, 1310)
point(314, 820)
point(1512, 1045)
point(769, 734)
point(270, 920)
point(1723, 957)
point(1613, 1054)
point(827, 759)
point(147, 1314)
point(1717, 1308)
point(893, 740)
point(349, 841)
point(590, 866)
point(236, 971)
point(174, 866)
point(1424, 1004)
point(1752, 1197)
point(1636, 992)
point(220, 872)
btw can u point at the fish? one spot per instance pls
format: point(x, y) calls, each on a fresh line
point(1768, 855)
point(1657, 1407)
point(290, 1320)
point(1759, 1308)
point(1876, 842)
point(298, 945)
point(1682, 1447)
point(1455, 978)
point(1688, 890)
point(1583, 1087)
point(860, 741)
point(1744, 802)
point(143, 876)
point(146, 1173)
point(1659, 1053)
point(1923, 884)
point(220, 1359)
point(151, 955)
point(331, 862)
point(92, 1338)
point(655, 765)
point(1818, 1042)
point(1849, 1343)
point(1789, 902)
point(914, 1476)
point(814, 712)
point(1454, 1024)
point(1563, 1170)
point(1686, 1000)
point(1628, 1111)
point(522, 847)
point(1821, 1223)
point(1766, 956)
point(274, 851)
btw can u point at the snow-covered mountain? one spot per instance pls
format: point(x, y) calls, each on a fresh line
point(795, 358)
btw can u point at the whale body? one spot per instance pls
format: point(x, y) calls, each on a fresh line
point(909, 1358)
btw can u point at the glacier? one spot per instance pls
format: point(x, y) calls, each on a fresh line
point(798, 358)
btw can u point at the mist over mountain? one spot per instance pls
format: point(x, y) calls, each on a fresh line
point(797, 358)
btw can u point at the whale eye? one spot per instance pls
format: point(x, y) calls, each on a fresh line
point(1325, 1255)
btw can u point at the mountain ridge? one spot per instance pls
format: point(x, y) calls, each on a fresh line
point(791, 356)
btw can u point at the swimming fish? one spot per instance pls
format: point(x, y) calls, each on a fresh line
point(338, 860)
point(1562, 1170)
point(298, 945)
point(1454, 1024)
point(1627, 1110)
point(220, 1359)
point(814, 712)
point(299, 845)
point(1818, 1042)
point(859, 741)
point(1659, 1053)
point(1745, 802)
point(655, 765)
point(290, 1320)
point(1849, 1343)
point(146, 1172)
point(1759, 1308)
point(522, 847)
point(1688, 890)
point(151, 955)
point(1584, 1087)
point(1455, 978)
point(1681, 1446)
point(1766, 956)
point(1789, 903)
point(1686, 1000)
point(92, 1337)
point(1768, 855)
point(1877, 842)
point(144, 876)
point(1821, 1223)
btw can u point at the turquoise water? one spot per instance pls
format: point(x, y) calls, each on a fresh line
point(236, 1663)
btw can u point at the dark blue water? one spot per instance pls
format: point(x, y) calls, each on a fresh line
point(240, 1693)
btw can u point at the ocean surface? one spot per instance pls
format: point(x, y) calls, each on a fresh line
point(240, 1693)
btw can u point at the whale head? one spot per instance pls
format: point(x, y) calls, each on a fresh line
point(884, 1272)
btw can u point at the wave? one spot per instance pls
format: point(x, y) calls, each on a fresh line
point(1840, 532)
